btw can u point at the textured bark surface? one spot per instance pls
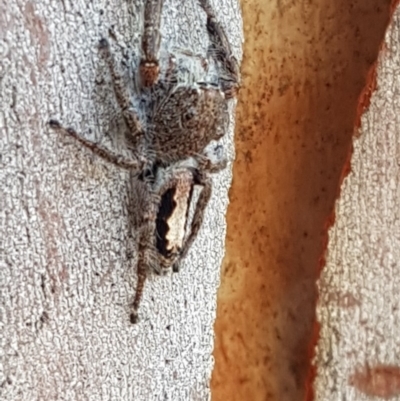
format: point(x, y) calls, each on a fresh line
point(358, 355)
point(66, 277)
point(305, 65)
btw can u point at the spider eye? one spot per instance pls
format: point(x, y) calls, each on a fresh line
point(188, 115)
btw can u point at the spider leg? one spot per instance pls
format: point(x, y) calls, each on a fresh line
point(149, 64)
point(141, 279)
point(135, 164)
point(198, 217)
point(121, 92)
point(213, 167)
point(147, 262)
point(213, 159)
point(203, 60)
point(143, 209)
point(221, 51)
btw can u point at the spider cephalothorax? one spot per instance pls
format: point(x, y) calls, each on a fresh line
point(177, 107)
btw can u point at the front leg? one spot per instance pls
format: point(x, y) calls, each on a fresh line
point(136, 164)
point(121, 92)
point(149, 63)
point(221, 51)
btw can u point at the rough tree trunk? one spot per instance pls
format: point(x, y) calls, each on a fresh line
point(66, 274)
point(358, 355)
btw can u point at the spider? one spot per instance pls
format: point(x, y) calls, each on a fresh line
point(161, 210)
point(179, 105)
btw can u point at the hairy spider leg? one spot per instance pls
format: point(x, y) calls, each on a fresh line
point(141, 279)
point(135, 164)
point(205, 166)
point(144, 218)
point(221, 51)
point(198, 217)
point(151, 39)
point(121, 92)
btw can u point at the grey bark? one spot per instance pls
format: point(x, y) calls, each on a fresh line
point(67, 263)
point(358, 354)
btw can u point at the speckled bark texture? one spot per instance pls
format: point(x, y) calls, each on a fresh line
point(358, 354)
point(67, 264)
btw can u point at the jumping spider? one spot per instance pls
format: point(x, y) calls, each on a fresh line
point(179, 106)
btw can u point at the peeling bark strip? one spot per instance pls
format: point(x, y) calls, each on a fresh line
point(305, 66)
point(364, 252)
point(66, 257)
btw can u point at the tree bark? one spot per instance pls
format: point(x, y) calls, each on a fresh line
point(358, 354)
point(67, 263)
point(305, 65)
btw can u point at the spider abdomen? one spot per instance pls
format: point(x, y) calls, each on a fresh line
point(172, 215)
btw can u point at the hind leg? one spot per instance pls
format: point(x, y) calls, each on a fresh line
point(198, 218)
point(143, 219)
point(212, 161)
